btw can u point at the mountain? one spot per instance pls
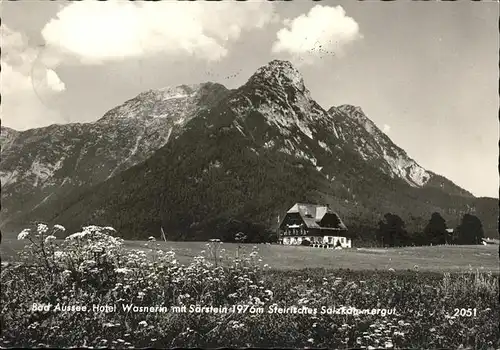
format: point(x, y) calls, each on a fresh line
point(375, 147)
point(40, 166)
point(247, 156)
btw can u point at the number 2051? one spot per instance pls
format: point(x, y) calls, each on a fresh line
point(465, 312)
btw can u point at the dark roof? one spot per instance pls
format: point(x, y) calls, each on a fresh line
point(313, 214)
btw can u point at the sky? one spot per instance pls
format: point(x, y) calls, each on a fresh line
point(425, 72)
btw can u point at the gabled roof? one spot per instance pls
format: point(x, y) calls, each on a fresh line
point(313, 214)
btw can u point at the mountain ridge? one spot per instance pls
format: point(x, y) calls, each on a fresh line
point(254, 151)
point(43, 163)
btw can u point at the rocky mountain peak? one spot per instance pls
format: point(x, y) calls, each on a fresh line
point(173, 92)
point(278, 72)
point(168, 102)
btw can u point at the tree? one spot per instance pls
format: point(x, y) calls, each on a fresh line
point(435, 231)
point(392, 231)
point(470, 230)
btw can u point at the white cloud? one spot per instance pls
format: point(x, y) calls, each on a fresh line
point(96, 32)
point(386, 128)
point(53, 81)
point(27, 84)
point(325, 30)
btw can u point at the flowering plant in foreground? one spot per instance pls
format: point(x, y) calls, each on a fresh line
point(93, 267)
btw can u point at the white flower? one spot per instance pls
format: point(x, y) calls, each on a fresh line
point(77, 235)
point(122, 270)
point(50, 238)
point(42, 228)
point(24, 234)
point(143, 323)
point(59, 227)
point(310, 340)
point(151, 238)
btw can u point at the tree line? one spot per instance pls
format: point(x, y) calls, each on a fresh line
point(392, 232)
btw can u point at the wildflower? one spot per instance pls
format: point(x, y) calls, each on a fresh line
point(59, 227)
point(49, 239)
point(42, 228)
point(122, 270)
point(24, 234)
point(76, 235)
point(310, 340)
point(143, 323)
point(257, 300)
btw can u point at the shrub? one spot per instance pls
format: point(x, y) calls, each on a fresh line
point(92, 267)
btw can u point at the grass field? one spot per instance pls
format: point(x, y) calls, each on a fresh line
point(434, 259)
point(303, 297)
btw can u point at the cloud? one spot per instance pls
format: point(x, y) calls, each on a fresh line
point(27, 83)
point(53, 81)
point(325, 30)
point(386, 128)
point(97, 32)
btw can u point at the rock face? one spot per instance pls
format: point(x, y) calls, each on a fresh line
point(40, 165)
point(195, 160)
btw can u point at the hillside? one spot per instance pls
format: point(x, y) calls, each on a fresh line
point(40, 166)
point(250, 155)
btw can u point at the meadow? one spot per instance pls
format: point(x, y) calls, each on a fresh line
point(261, 296)
point(444, 258)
